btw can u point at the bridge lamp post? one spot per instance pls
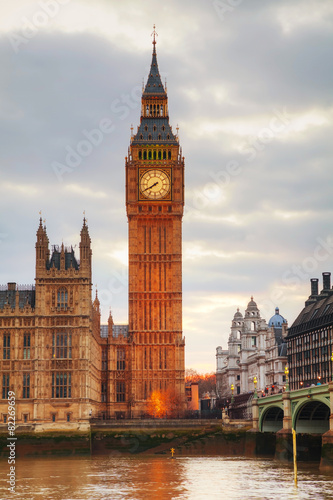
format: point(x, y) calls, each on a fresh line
point(232, 393)
point(286, 372)
point(255, 381)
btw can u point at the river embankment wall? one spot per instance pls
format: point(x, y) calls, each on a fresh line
point(197, 437)
point(187, 438)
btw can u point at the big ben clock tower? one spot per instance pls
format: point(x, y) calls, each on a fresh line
point(154, 202)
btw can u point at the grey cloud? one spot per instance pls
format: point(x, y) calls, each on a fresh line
point(61, 84)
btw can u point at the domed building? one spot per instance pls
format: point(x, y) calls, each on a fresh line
point(279, 324)
point(255, 349)
point(277, 321)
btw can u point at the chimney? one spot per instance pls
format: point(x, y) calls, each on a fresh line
point(314, 286)
point(326, 281)
point(11, 286)
point(314, 292)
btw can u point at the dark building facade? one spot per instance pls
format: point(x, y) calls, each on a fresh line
point(310, 338)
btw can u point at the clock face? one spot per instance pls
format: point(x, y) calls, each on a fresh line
point(155, 184)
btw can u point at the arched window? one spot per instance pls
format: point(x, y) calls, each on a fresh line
point(161, 110)
point(140, 155)
point(145, 155)
point(146, 128)
point(62, 298)
point(154, 155)
point(149, 155)
point(159, 154)
point(149, 137)
point(169, 155)
point(159, 137)
point(164, 155)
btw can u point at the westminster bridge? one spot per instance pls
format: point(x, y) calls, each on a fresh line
point(307, 410)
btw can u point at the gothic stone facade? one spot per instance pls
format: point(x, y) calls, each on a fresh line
point(50, 353)
point(62, 364)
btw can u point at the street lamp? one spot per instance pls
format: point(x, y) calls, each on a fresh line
point(255, 381)
point(232, 393)
point(286, 372)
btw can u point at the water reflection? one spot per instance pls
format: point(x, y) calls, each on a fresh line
point(150, 478)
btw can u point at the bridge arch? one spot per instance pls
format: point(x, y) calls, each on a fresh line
point(271, 419)
point(311, 415)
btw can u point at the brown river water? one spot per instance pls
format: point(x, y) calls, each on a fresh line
point(151, 477)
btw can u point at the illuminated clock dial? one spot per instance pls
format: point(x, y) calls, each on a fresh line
point(155, 184)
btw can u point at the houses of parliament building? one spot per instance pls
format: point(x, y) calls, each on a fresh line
point(61, 363)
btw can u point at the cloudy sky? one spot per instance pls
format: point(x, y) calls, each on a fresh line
point(250, 86)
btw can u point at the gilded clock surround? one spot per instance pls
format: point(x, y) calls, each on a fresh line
point(155, 184)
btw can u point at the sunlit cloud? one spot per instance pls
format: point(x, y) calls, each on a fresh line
point(268, 92)
point(280, 214)
point(194, 252)
point(84, 191)
point(25, 190)
point(311, 119)
point(120, 255)
point(205, 215)
point(293, 17)
point(101, 18)
point(118, 251)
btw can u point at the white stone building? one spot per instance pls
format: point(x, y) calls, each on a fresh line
point(255, 349)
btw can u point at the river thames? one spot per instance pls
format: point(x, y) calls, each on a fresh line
point(151, 477)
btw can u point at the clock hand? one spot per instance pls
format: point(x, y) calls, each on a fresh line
point(149, 187)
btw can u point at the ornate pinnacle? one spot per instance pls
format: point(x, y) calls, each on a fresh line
point(154, 35)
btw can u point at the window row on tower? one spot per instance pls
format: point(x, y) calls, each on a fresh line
point(154, 155)
point(154, 209)
point(154, 110)
point(155, 338)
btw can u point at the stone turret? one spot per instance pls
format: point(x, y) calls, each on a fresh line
point(42, 248)
point(85, 249)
